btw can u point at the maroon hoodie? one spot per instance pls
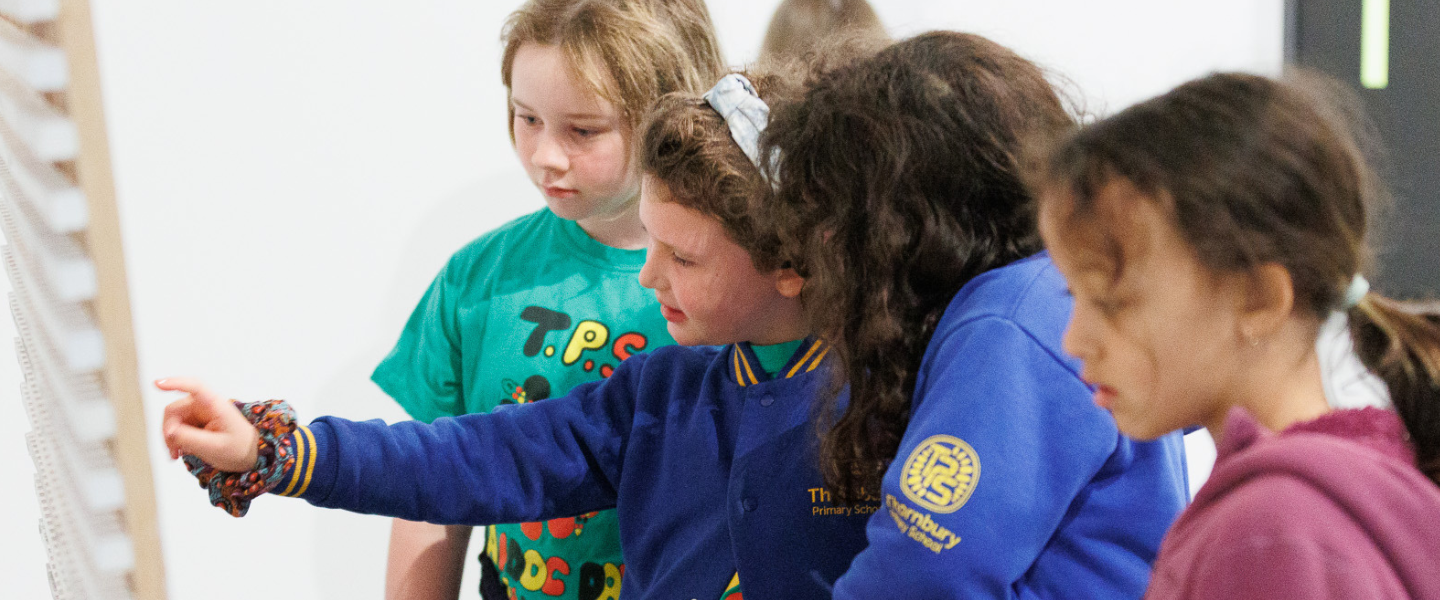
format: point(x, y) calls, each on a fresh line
point(1330, 508)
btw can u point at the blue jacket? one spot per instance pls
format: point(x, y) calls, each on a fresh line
point(709, 462)
point(1009, 481)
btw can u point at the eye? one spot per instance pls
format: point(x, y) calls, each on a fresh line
point(1110, 305)
point(681, 261)
point(530, 120)
point(585, 132)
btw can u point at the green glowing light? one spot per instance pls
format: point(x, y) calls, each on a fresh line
point(1375, 44)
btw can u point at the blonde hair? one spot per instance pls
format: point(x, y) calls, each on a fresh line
point(800, 26)
point(629, 52)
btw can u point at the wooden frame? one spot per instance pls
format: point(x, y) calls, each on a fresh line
point(72, 309)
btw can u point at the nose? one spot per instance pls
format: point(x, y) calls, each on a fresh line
point(1079, 338)
point(649, 272)
point(549, 153)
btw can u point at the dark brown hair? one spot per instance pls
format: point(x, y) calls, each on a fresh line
point(630, 52)
point(1255, 171)
point(900, 181)
point(686, 145)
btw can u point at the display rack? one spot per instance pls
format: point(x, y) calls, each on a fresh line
point(71, 307)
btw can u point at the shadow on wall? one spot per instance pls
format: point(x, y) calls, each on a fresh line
point(351, 549)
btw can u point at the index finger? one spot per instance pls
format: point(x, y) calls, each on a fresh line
point(194, 387)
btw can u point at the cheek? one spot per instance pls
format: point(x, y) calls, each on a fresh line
point(607, 164)
point(1126, 353)
point(524, 145)
point(703, 298)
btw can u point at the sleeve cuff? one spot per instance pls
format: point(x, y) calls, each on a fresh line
point(302, 472)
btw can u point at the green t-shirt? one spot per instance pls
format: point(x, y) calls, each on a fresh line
point(521, 314)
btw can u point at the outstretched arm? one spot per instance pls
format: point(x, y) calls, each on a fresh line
point(520, 463)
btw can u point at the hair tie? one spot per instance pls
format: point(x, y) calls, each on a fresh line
point(1356, 292)
point(232, 492)
point(735, 98)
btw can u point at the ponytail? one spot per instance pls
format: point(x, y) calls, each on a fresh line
point(1400, 343)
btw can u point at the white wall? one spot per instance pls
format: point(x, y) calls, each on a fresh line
point(292, 174)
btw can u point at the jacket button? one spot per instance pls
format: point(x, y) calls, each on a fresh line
point(767, 400)
point(749, 504)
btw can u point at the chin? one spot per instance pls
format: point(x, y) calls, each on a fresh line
point(565, 209)
point(685, 338)
point(1140, 429)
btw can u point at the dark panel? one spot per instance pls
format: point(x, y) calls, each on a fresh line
point(1325, 35)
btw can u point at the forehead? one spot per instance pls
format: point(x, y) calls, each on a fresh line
point(674, 224)
point(545, 80)
point(1120, 230)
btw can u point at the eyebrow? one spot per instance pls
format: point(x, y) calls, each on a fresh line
point(578, 116)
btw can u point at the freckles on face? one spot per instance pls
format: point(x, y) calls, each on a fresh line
point(707, 285)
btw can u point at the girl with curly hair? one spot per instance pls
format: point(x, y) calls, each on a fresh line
point(901, 201)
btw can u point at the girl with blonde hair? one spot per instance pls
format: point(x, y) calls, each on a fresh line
point(549, 300)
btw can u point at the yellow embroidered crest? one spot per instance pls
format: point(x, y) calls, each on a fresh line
point(941, 473)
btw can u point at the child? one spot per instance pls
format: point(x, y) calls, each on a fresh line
point(1207, 234)
point(799, 27)
point(549, 300)
point(901, 195)
point(706, 452)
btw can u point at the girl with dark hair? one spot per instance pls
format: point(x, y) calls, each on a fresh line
point(1206, 235)
point(900, 200)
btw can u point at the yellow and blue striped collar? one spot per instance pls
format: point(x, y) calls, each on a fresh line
point(744, 366)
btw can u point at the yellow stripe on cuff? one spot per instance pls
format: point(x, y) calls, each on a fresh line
point(310, 462)
point(298, 454)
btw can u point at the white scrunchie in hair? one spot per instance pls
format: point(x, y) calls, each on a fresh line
point(735, 98)
point(1359, 286)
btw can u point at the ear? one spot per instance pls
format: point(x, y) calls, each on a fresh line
point(1266, 301)
point(788, 282)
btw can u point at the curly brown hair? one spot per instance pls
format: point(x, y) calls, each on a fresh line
point(1252, 171)
point(686, 145)
point(900, 181)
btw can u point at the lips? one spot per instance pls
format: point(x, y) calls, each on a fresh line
point(1104, 396)
point(559, 193)
point(671, 314)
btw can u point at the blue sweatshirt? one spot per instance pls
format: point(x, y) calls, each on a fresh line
point(709, 461)
point(1009, 481)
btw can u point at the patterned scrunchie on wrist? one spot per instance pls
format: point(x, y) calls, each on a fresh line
point(275, 458)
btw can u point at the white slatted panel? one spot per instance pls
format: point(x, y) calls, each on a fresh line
point(30, 11)
point(66, 349)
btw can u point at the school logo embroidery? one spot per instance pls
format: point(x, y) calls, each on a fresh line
point(941, 473)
